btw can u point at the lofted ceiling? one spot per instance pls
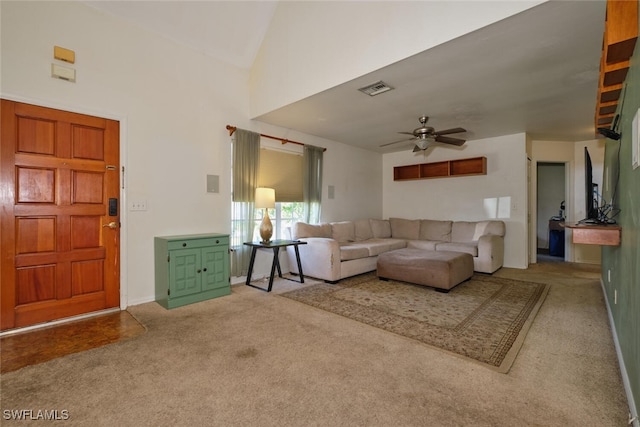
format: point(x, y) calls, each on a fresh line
point(535, 72)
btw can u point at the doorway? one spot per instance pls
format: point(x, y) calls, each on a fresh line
point(60, 217)
point(550, 212)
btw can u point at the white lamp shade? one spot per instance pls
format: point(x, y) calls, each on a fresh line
point(265, 198)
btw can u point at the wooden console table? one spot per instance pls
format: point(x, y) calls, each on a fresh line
point(596, 234)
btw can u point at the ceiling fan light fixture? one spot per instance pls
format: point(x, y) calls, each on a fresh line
point(425, 136)
point(424, 142)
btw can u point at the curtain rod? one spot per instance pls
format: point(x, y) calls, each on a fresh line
point(232, 129)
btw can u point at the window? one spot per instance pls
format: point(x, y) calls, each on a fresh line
point(283, 216)
point(282, 170)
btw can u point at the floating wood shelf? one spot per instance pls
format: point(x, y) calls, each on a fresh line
point(619, 40)
point(448, 168)
point(587, 234)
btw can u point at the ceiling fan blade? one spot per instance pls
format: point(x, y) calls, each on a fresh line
point(449, 140)
point(395, 142)
point(407, 133)
point(448, 131)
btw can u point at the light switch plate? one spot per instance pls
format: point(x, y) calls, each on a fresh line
point(138, 205)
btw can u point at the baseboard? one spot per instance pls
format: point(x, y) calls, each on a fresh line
point(139, 301)
point(633, 411)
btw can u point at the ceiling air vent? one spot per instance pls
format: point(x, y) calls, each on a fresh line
point(376, 88)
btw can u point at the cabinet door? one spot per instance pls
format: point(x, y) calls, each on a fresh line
point(215, 263)
point(184, 272)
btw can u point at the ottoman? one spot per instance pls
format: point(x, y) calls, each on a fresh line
point(439, 269)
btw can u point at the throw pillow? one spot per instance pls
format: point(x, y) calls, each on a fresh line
point(381, 228)
point(344, 231)
point(302, 230)
point(435, 230)
point(405, 228)
point(481, 230)
point(463, 231)
point(363, 230)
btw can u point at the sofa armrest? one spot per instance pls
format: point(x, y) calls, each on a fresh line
point(320, 258)
point(490, 253)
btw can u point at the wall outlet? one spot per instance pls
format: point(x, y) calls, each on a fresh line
point(140, 205)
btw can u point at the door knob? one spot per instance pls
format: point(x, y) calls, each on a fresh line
point(112, 224)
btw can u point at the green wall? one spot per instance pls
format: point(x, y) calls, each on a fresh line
point(624, 260)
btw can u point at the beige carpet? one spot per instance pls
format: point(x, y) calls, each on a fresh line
point(256, 359)
point(484, 319)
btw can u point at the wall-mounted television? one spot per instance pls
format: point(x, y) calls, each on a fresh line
point(590, 192)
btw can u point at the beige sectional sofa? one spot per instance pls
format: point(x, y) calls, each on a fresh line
point(342, 249)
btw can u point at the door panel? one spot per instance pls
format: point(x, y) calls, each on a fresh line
point(59, 257)
point(184, 266)
point(214, 261)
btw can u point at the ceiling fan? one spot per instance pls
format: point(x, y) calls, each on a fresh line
point(425, 136)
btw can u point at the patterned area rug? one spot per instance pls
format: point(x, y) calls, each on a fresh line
point(484, 319)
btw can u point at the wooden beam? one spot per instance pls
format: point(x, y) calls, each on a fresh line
point(618, 43)
point(621, 30)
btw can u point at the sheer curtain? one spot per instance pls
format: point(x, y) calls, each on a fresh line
point(312, 183)
point(246, 158)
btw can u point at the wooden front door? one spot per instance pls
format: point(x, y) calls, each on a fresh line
point(60, 238)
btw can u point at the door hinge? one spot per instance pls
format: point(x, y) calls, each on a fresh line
point(168, 258)
point(168, 292)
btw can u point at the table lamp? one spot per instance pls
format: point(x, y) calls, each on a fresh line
point(265, 199)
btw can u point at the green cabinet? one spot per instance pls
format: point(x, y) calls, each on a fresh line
point(191, 268)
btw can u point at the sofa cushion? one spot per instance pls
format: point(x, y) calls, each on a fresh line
point(463, 231)
point(496, 228)
point(425, 245)
point(481, 230)
point(363, 230)
point(349, 251)
point(397, 244)
point(302, 230)
point(404, 228)
point(378, 246)
point(381, 228)
point(344, 231)
point(435, 230)
point(466, 247)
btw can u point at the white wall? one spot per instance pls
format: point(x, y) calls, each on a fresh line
point(313, 46)
point(173, 104)
point(464, 198)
